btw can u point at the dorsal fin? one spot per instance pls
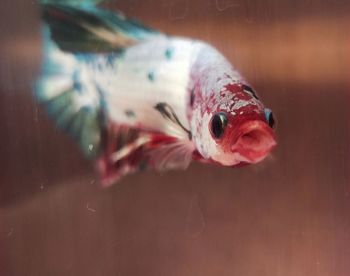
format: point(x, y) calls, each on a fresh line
point(88, 29)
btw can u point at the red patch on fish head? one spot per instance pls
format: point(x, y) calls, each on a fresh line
point(240, 126)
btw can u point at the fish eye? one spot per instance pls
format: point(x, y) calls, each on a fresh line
point(270, 118)
point(218, 125)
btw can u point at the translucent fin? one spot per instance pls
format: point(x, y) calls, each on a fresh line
point(89, 29)
point(176, 155)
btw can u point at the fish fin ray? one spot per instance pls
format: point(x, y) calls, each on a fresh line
point(174, 155)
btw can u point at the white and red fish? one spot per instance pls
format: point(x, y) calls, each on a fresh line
point(134, 98)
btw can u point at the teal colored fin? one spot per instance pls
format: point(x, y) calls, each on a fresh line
point(73, 2)
point(89, 29)
point(70, 99)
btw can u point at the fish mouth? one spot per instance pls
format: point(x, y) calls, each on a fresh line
point(254, 141)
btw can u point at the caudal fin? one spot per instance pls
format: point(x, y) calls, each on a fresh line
point(70, 99)
point(66, 87)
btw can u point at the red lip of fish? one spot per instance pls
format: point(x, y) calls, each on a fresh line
point(254, 140)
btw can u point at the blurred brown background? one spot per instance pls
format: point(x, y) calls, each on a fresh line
point(288, 216)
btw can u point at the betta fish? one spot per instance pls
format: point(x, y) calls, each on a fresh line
point(135, 98)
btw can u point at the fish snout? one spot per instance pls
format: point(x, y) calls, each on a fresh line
point(254, 141)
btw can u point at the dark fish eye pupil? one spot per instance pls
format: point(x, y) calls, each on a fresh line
point(271, 120)
point(218, 125)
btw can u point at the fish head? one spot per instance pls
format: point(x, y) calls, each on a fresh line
point(240, 127)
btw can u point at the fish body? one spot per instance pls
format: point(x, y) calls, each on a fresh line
point(144, 77)
point(135, 98)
